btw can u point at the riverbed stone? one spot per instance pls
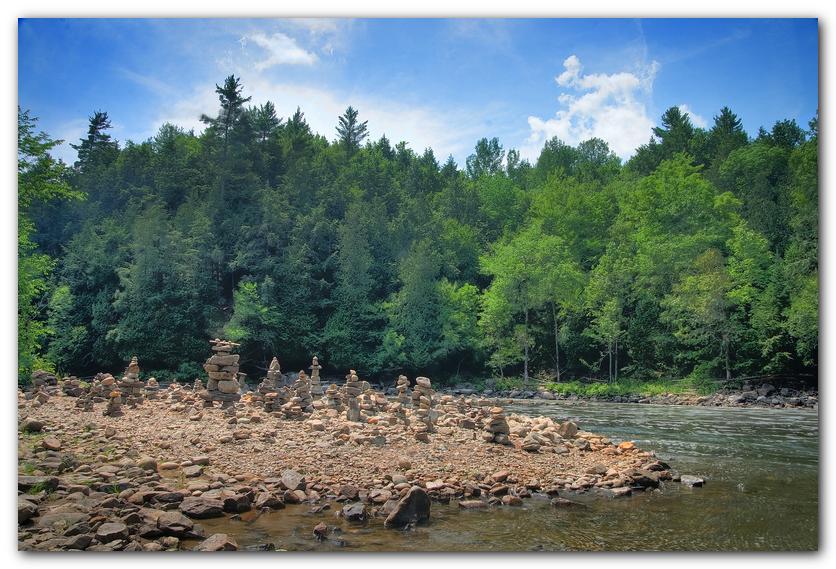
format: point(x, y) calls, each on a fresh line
point(412, 508)
point(217, 542)
point(692, 481)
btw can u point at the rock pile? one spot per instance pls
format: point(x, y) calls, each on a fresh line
point(222, 369)
point(71, 386)
point(45, 379)
point(302, 393)
point(274, 379)
point(352, 391)
point(85, 402)
point(130, 385)
point(422, 400)
point(197, 387)
point(496, 427)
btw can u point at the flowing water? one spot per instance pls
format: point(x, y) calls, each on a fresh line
point(761, 493)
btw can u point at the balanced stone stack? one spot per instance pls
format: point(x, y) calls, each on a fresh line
point(404, 393)
point(275, 401)
point(130, 385)
point(422, 400)
point(222, 369)
point(107, 383)
point(273, 380)
point(316, 385)
point(151, 388)
point(197, 387)
point(114, 404)
point(71, 386)
point(332, 397)
point(85, 402)
point(496, 427)
point(302, 392)
point(353, 389)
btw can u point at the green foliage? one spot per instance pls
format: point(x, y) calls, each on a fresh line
point(698, 258)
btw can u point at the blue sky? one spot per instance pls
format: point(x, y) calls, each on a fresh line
point(437, 83)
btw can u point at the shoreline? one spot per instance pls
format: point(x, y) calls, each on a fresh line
point(151, 473)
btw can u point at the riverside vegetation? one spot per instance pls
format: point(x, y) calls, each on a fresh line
point(695, 259)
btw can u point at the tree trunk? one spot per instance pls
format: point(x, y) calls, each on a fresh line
point(616, 359)
point(525, 357)
point(728, 362)
point(556, 344)
point(609, 368)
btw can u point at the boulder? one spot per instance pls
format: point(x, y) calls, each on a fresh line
point(217, 542)
point(354, 512)
point(31, 426)
point(26, 510)
point(202, 508)
point(412, 508)
point(27, 483)
point(174, 523)
point(111, 531)
point(292, 480)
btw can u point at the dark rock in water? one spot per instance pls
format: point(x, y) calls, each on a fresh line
point(237, 504)
point(217, 542)
point(645, 479)
point(564, 503)
point(260, 547)
point(320, 531)
point(202, 508)
point(354, 512)
point(413, 508)
point(691, 481)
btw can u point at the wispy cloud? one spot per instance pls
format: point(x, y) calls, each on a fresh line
point(610, 107)
point(279, 49)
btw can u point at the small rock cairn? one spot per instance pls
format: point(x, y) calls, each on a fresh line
point(151, 388)
point(114, 404)
point(222, 369)
point(422, 400)
point(332, 398)
point(43, 379)
point(302, 393)
point(404, 393)
point(71, 386)
point(353, 389)
point(273, 380)
point(197, 387)
point(496, 427)
point(316, 385)
point(130, 384)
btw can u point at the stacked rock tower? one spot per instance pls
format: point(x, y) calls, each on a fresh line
point(353, 389)
point(130, 385)
point(422, 400)
point(222, 369)
point(316, 386)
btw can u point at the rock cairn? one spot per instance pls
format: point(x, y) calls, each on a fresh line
point(151, 388)
point(404, 394)
point(273, 380)
point(275, 401)
point(353, 389)
point(71, 386)
point(316, 385)
point(106, 384)
point(44, 379)
point(85, 402)
point(332, 398)
point(422, 400)
point(197, 387)
point(302, 393)
point(222, 369)
point(114, 404)
point(130, 385)
point(496, 427)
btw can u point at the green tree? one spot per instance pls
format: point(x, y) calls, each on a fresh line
point(350, 131)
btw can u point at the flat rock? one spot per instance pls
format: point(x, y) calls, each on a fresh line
point(202, 508)
point(692, 481)
point(217, 542)
point(111, 531)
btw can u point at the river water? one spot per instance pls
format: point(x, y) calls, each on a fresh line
point(761, 493)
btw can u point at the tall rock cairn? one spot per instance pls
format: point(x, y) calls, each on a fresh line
point(422, 400)
point(353, 389)
point(130, 385)
point(302, 392)
point(332, 398)
point(222, 369)
point(404, 393)
point(152, 386)
point(114, 404)
point(273, 380)
point(316, 384)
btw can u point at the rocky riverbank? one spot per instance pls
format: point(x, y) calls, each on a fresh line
point(765, 396)
point(143, 478)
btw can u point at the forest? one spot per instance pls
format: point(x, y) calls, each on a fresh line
point(696, 259)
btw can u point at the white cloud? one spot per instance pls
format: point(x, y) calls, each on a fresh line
point(696, 119)
point(447, 132)
point(281, 50)
point(609, 107)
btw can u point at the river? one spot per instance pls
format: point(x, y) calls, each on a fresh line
point(761, 493)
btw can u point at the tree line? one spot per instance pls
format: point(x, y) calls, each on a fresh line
point(696, 258)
